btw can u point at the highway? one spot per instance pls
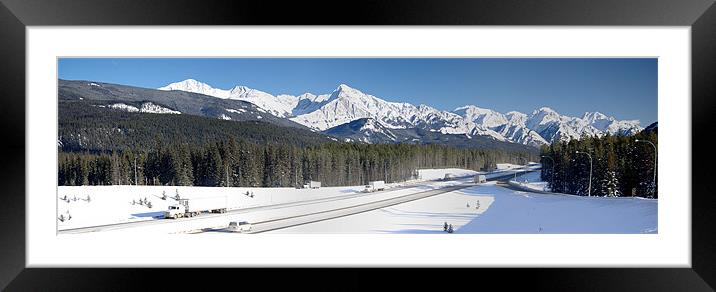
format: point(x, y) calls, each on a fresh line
point(291, 221)
point(304, 218)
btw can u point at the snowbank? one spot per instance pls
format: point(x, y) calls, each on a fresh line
point(523, 212)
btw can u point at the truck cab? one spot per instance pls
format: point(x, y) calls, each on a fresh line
point(174, 211)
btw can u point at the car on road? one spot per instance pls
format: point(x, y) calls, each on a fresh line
point(242, 226)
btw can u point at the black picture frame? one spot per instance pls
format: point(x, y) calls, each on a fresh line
point(15, 15)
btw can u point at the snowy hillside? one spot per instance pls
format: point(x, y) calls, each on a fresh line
point(346, 105)
point(365, 130)
point(146, 107)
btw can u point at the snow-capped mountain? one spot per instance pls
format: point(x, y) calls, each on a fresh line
point(351, 107)
point(280, 106)
point(481, 116)
point(366, 130)
point(347, 104)
point(552, 126)
point(545, 125)
point(515, 130)
point(191, 85)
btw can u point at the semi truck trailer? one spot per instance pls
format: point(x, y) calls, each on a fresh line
point(190, 207)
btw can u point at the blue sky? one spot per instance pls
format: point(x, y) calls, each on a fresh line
point(624, 88)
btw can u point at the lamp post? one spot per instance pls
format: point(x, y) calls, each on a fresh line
point(652, 145)
point(550, 158)
point(589, 194)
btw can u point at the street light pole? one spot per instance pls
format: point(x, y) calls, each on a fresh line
point(550, 158)
point(589, 194)
point(652, 145)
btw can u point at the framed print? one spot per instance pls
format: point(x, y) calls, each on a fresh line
point(519, 138)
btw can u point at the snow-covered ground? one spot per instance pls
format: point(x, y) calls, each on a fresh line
point(114, 204)
point(524, 212)
point(217, 221)
point(117, 204)
point(484, 208)
point(500, 210)
point(424, 216)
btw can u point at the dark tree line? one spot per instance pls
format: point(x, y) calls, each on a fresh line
point(621, 166)
point(241, 163)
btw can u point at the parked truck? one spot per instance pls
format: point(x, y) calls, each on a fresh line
point(448, 176)
point(480, 178)
point(373, 186)
point(190, 207)
point(312, 184)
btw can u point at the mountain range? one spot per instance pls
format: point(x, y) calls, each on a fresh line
point(350, 114)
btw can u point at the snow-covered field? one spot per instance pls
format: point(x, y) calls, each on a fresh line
point(485, 208)
point(524, 212)
point(424, 216)
point(500, 210)
point(113, 204)
point(218, 221)
point(118, 204)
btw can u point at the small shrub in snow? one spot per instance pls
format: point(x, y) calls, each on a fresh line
point(62, 218)
point(164, 195)
point(149, 205)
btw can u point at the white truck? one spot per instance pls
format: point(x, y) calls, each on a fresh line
point(448, 176)
point(190, 207)
point(373, 186)
point(312, 185)
point(480, 178)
